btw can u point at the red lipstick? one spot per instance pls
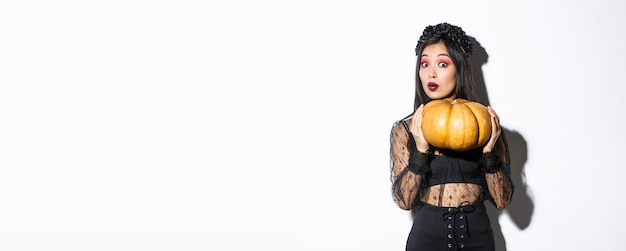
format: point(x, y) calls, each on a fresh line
point(432, 86)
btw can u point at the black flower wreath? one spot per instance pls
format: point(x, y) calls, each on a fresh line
point(448, 32)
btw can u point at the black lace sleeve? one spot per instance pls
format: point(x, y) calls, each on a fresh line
point(497, 168)
point(405, 182)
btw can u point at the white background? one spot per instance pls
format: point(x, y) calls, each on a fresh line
point(264, 125)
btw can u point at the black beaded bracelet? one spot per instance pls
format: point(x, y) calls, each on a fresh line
point(418, 163)
point(491, 162)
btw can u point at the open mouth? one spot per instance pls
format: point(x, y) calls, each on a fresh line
point(432, 86)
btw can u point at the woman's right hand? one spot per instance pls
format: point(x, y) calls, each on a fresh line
point(416, 130)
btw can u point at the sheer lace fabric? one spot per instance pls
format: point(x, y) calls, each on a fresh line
point(409, 189)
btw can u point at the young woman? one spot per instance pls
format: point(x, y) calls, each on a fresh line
point(446, 189)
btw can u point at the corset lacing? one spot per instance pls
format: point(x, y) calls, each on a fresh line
point(458, 224)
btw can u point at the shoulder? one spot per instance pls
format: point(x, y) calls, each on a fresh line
point(401, 125)
point(403, 122)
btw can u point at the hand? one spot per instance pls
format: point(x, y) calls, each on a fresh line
point(495, 130)
point(416, 130)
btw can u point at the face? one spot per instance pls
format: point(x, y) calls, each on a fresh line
point(437, 72)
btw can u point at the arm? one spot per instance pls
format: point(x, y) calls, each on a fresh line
point(496, 165)
point(407, 166)
point(497, 174)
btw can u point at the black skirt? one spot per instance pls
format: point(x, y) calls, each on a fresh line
point(466, 227)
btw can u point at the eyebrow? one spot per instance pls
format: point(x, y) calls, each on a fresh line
point(442, 54)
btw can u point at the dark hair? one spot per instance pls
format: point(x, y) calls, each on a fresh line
point(459, 47)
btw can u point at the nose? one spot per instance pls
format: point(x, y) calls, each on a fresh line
point(432, 73)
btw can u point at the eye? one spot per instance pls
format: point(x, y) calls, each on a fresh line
point(424, 64)
point(443, 64)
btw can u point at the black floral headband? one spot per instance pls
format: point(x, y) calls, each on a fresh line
point(448, 32)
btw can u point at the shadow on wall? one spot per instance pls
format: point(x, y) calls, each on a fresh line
point(521, 208)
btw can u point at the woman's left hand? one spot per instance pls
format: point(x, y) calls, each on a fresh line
point(495, 131)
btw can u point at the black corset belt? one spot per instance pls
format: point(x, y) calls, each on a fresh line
point(457, 224)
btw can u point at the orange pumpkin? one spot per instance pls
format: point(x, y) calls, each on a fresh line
point(456, 124)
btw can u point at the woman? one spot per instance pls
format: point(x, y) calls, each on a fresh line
point(445, 188)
